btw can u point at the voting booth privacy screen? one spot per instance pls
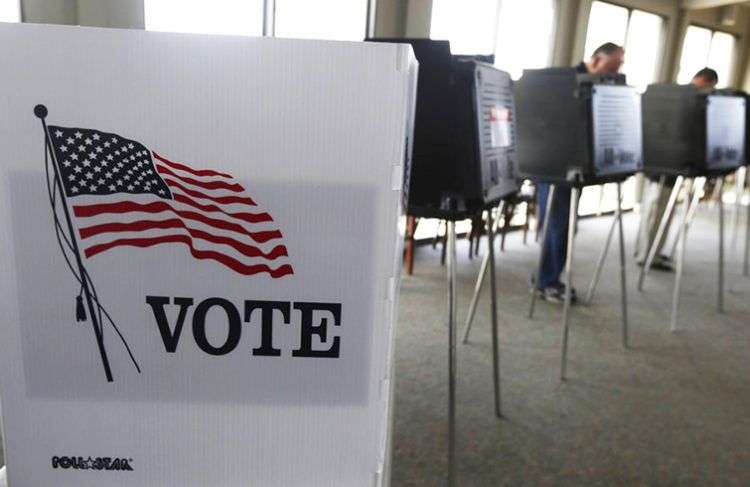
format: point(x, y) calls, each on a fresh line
point(693, 133)
point(200, 257)
point(577, 128)
point(464, 140)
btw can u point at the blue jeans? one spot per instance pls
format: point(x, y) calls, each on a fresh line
point(556, 246)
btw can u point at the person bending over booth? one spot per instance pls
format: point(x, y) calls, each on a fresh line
point(607, 59)
point(655, 201)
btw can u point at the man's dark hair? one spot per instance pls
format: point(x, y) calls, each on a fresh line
point(607, 49)
point(708, 74)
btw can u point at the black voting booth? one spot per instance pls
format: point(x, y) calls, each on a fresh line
point(463, 161)
point(464, 137)
point(691, 134)
point(577, 129)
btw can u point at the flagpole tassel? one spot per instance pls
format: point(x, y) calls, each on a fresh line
point(80, 310)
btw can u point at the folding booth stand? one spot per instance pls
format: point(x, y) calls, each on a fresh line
point(693, 135)
point(578, 130)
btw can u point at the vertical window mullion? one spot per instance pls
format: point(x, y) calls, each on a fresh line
point(269, 17)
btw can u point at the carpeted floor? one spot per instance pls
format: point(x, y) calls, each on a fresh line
point(674, 409)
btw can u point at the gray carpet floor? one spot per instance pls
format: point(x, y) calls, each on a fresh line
point(674, 409)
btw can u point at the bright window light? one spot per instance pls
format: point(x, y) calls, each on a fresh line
point(642, 49)
point(607, 23)
point(703, 48)
point(524, 35)
point(231, 17)
point(695, 50)
point(468, 25)
point(10, 11)
point(342, 20)
point(639, 32)
point(721, 57)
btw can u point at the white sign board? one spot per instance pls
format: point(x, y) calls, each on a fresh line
point(199, 266)
point(725, 131)
point(618, 132)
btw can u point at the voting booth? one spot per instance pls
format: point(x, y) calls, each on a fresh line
point(690, 135)
point(577, 128)
point(690, 132)
point(574, 130)
point(200, 257)
point(464, 134)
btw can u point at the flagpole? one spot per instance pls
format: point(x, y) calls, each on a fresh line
point(41, 112)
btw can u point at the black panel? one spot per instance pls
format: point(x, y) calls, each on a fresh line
point(675, 133)
point(455, 156)
point(555, 128)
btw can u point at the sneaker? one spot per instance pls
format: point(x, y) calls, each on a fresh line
point(556, 294)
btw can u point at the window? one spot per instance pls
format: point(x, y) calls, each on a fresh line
point(705, 48)
point(639, 32)
point(343, 20)
point(10, 11)
point(234, 17)
point(469, 26)
point(518, 32)
point(524, 35)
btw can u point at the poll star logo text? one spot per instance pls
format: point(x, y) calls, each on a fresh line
point(313, 321)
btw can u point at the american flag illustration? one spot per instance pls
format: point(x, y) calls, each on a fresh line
point(123, 194)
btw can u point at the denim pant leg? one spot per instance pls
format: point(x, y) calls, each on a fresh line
point(556, 246)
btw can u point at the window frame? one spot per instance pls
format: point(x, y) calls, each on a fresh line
point(735, 54)
point(662, 35)
point(269, 18)
point(496, 27)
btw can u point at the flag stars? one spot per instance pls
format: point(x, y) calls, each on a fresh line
point(107, 144)
point(131, 187)
point(63, 148)
point(112, 187)
point(92, 155)
point(69, 140)
point(66, 163)
point(87, 141)
point(115, 140)
point(73, 189)
point(100, 181)
point(58, 133)
point(108, 174)
point(86, 163)
point(74, 157)
point(77, 169)
point(110, 157)
point(72, 177)
point(97, 169)
point(78, 135)
point(99, 150)
point(96, 136)
point(89, 175)
point(93, 187)
point(81, 148)
point(161, 191)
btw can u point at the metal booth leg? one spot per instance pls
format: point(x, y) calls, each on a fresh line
point(682, 236)
point(452, 362)
point(623, 270)
point(569, 278)
point(660, 231)
point(482, 271)
point(739, 189)
point(493, 308)
point(746, 263)
point(543, 245)
point(720, 296)
point(602, 259)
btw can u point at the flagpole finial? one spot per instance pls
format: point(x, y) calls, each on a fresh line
point(40, 111)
